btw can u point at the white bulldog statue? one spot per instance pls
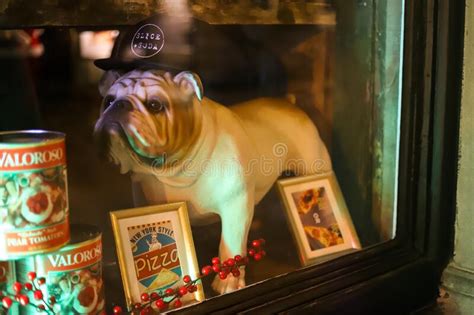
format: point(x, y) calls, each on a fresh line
point(179, 145)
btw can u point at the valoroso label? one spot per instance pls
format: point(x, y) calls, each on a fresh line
point(73, 277)
point(76, 258)
point(155, 255)
point(33, 199)
point(30, 158)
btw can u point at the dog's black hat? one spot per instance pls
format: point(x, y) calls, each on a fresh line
point(161, 42)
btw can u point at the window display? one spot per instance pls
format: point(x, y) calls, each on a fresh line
point(219, 113)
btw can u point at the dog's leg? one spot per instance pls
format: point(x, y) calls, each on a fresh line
point(236, 217)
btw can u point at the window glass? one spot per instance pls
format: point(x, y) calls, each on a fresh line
point(278, 120)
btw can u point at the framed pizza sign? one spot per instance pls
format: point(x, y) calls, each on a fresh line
point(155, 250)
point(318, 216)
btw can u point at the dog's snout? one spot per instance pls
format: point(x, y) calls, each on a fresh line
point(123, 104)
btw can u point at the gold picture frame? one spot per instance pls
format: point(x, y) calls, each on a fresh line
point(319, 219)
point(155, 250)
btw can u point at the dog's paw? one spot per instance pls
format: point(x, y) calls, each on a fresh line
point(229, 284)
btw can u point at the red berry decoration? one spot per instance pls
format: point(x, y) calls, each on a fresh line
point(52, 300)
point(40, 307)
point(238, 258)
point(187, 279)
point(31, 275)
point(145, 297)
point(160, 304)
point(178, 303)
point(38, 295)
point(117, 310)
point(7, 302)
point(154, 296)
point(206, 270)
point(236, 272)
point(263, 253)
point(182, 291)
point(257, 256)
point(146, 310)
point(192, 288)
point(256, 243)
point(17, 287)
point(216, 261)
point(251, 252)
point(137, 306)
point(28, 286)
point(169, 291)
point(230, 262)
point(24, 300)
point(262, 242)
point(216, 268)
point(41, 281)
point(222, 275)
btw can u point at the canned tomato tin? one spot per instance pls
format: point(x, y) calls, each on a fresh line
point(73, 274)
point(33, 193)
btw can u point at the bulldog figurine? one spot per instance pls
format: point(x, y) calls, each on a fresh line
point(179, 145)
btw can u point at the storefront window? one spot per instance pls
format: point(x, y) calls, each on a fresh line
point(286, 126)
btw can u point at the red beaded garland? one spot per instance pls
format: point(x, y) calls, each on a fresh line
point(17, 287)
point(182, 291)
point(160, 304)
point(145, 297)
point(229, 266)
point(216, 268)
point(230, 262)
point(187, 279)
point(222, 275)
point(28, 286)
point(7, 302)
point(178, 303)
point(38, 295)
point(24, 300)
point(137, 306)
point(206, 270)
point(256, 243)
point(31, 275)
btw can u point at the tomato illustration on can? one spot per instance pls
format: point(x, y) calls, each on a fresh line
point(33, 193)
point(73, 274)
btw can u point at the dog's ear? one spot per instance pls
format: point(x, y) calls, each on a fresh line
point(190, 81)
point(108, 78)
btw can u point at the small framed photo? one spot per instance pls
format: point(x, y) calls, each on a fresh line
point(318, 216)
point(155, 250)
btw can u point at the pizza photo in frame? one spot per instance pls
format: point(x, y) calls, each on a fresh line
point(155, 250)
point(318, 216)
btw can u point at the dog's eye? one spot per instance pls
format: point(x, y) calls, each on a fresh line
point(108, 100)
point(156, 105)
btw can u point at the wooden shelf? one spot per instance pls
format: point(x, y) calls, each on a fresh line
point(104, 13)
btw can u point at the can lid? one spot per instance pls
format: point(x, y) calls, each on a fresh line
point(83, 232)
point(24, 138)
